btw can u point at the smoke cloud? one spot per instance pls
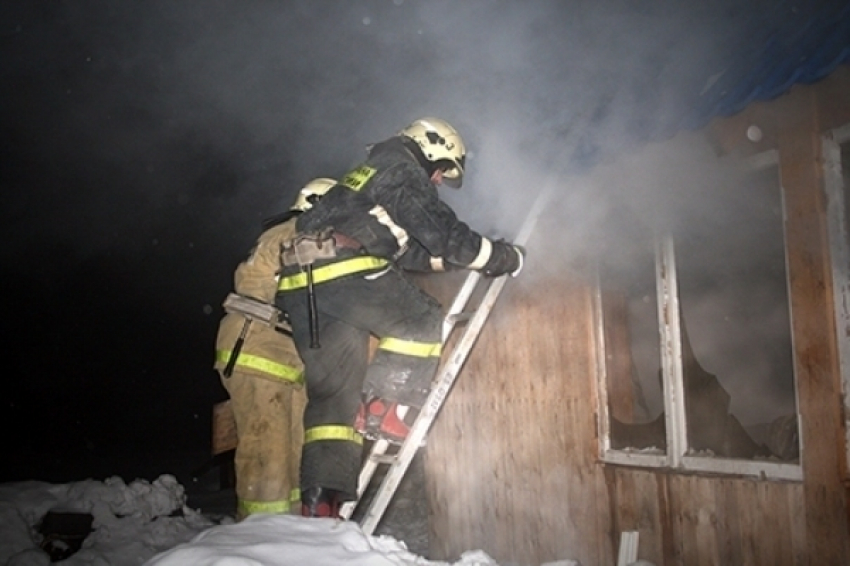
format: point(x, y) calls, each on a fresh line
point(229, 107)
point(152, 136)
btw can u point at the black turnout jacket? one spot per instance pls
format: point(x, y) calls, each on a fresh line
point(390, 206)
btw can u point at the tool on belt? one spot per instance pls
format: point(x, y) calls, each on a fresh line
point(304, 251)
point(253, 310)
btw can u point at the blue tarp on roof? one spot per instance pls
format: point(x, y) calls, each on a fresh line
point(711, 60)
point(793, 42)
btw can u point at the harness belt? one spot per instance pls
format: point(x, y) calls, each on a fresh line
point(304, 251)
point(331, 271)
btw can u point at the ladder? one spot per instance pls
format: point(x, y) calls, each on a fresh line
point(399, 461)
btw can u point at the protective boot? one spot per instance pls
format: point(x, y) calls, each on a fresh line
point(321, 502)
point(379, 419)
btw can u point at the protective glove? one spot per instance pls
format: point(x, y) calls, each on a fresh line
point(505, 258)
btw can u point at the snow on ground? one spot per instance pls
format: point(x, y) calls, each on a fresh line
point(131, 522)
point(148, 522)
point(291, 540)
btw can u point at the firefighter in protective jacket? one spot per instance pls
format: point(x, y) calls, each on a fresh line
point(263, 374)
point(344, 281)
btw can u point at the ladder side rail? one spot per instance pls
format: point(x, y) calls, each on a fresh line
point(379, 447)
point(441, 388)
point(459, 303)
point(540, 204)
point(370, 465)
point(429, 412)
point(379, 503)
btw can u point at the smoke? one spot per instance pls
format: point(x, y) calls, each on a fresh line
point(726, 221)
point(158, 134)
point(229, 107)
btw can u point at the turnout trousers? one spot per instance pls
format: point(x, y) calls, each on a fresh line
point(408, 325)
point(269, 426)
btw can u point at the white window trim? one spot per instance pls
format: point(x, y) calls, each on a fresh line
point(667, 294)
point(676, 456)
point(840, 258)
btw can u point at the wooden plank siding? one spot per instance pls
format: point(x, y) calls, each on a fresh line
point(816, 363)
point(692, 520)
point(512, 463)
point(794, 125)
point(511, 460)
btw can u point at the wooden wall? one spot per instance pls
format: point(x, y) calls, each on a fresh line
point(512, 461)
point(712, 520)
point(795, 124)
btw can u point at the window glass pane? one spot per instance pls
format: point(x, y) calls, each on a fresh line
point(736, 334)
point(632, 351)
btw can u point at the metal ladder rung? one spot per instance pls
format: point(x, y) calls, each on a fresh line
point(383, 458)
point(440, 389)
point(377, 455)
point(459, 317)
point(455, 310)
point(447, 374)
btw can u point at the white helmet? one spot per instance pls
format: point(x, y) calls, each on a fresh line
point(439, 142)
point(311, 192)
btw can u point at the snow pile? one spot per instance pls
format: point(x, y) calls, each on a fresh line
point(131, 523)
point(287, 540)
point(148, 523)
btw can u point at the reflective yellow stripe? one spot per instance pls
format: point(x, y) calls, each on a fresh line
point(295, 495)
point(332, 271)
point(275, 369)
point(252, 507)
point(332, 432)
point(357, 179)
point(410, 348)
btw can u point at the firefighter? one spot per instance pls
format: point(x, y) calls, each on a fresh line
point(263, 374)
point(384, 217)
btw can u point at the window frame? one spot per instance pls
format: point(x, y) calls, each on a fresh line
point(839, 253)
point(676, 458)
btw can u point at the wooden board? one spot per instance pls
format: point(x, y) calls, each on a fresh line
point(510, 459)
point(223, 428)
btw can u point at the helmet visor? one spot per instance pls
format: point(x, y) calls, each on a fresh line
point(453, 171)
point(453, 177)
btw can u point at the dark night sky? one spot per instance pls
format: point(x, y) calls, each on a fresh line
point(142, 142)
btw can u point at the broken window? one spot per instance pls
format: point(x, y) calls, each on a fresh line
point(696, 364)
point(632, 353)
